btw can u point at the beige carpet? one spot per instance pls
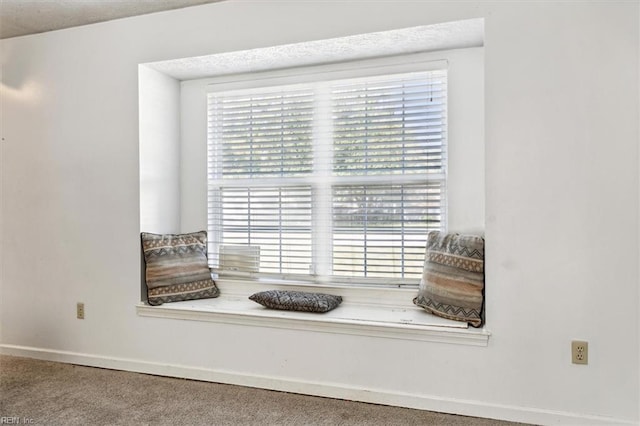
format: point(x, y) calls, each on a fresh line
point(51, 393)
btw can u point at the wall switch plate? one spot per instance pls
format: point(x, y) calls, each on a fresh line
point(579, 352)
point(80, 310)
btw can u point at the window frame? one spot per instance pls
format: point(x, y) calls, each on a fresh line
point(320, 74)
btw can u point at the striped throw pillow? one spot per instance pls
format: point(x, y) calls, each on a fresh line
point(176, 267)
point(452, 283)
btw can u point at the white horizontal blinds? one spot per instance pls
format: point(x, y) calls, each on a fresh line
point(390, 125)
point(389, 164)
point(265, 134)
point(277, 220)
point(260, 145)
point(379, 230)
point(340, 179)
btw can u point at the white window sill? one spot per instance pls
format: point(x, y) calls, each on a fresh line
point(392, 315)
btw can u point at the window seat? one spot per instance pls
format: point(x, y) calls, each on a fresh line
point(387, 313)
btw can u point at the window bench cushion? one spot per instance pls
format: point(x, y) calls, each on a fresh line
point(372, 312)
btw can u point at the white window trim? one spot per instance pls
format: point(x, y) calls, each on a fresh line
point(370, 312)
point(316, 74)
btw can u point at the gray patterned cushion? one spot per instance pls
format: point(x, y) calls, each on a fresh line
point(296, 300)
point(176, 267)
point(452, 283)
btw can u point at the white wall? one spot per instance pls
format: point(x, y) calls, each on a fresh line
point(160, 158)
point(194, 156)
point(562, 196)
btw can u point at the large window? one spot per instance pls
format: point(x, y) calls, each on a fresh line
point(331, 180)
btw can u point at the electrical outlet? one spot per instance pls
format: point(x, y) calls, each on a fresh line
point(579, 352)
point(80, 310)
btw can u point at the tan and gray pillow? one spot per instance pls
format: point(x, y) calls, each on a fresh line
point(452, 283)
point(176, 267)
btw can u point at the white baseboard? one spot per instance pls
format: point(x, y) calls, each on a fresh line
point(330, 390)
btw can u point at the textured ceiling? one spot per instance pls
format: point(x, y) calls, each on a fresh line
point(451, 35)
point(23, 17)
